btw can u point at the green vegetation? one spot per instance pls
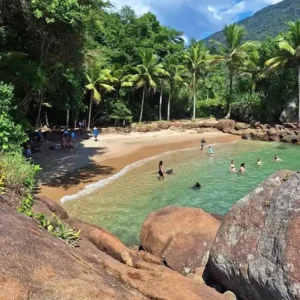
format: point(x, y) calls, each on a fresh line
point(67, 61)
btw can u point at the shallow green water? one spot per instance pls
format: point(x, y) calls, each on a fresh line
point(122, 206)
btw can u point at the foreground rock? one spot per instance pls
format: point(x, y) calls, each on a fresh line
point(35, 265)
point(256, 251)
point(181, 237)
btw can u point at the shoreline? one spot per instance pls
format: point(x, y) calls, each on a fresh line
point(109, 156)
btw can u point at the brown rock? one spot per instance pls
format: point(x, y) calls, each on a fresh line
point(240, 126)
point(290, 125)
point(141, 128)
point(182, 237)
point(164, 125)
point(256, 251)
point(35, 265)
point(274, 138)
point(186, 125)
point(291, 139)
point(225, 125)
point(49, 207)
point(246, 136)
point(266, 138)
point(272, 132)
point(254, 124)
point(152, 127)
point(258, 136)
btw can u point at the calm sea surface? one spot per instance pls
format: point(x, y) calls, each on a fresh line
point(122, 206)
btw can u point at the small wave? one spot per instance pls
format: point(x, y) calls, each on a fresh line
point(90, 188)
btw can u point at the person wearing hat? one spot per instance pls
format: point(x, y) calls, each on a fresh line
point(95, 132)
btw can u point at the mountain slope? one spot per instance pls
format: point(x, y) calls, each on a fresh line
point(269, 21)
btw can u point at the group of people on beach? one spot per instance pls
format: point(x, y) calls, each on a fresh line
point(242, 169)
point(67, 140)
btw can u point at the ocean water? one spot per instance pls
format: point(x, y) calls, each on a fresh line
point(122, 205)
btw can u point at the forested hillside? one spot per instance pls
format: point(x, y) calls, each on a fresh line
point(269, 21)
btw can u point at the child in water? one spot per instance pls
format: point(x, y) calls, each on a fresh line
point(232, 167)
point(210, 151)
point(259, 162)
point(242, 168)
point(276, 159)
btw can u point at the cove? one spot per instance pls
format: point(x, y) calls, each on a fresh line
point(122, 206)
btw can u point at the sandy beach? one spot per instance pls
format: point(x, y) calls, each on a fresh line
point(67, 173)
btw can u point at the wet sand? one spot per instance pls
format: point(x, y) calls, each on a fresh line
point(67, 173)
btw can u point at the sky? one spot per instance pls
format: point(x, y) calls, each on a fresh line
point(196, 18)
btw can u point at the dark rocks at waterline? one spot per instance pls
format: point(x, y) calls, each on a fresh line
point(256, 251)
point(35, 265)
point(181, 237)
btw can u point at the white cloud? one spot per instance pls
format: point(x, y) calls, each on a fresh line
point(207, 15)
point(186, 39)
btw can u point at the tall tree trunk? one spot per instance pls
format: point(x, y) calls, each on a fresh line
point(194, 91)
point(37, 122)
point(299, 94)
point(90, 112)
point(160, 102)
point(68, 118)
point(169, 107)
point(230, 95)
point(46, 118)
point(143, 100)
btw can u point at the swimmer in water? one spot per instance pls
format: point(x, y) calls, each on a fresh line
point(161, 170)
point(276, 159)
point(232, 167)
point(242, 168)
point(169, 172)
point(259, 162)
point(197, 186)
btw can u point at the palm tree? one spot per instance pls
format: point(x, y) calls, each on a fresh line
point(177, 74)
point(233, 53)
point(98, 81)
point(290, 47)
point(145, 75)
point(197, 58)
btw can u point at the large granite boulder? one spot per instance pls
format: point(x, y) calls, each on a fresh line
point(181, 237)
point(225, 125)
point(35, 265)
point(256, 251)
point(152, 127)
point(291, 138)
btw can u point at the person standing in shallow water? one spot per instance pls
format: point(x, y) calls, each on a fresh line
point(203, 142)
point(242, 168)
point(161, 170)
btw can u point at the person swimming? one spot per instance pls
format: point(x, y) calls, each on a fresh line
point(242, 168)
point(210, 151)
point(232, 167)
point(197, 186)
point(169, 172)
point(276, 159)
point(259, 162)
point(161, 170)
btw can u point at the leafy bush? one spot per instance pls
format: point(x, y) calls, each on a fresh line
point(11, 134)
point(246, 107)
point(210, 107)
point(58, 229)
point(18, 172)
point(6, 97)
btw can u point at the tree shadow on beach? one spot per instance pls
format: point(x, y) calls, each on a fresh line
point(84, 175)
point(66, 169)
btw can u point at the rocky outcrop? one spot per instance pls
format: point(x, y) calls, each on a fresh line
point(35, 265)
point(256, 251)
point(181, 237)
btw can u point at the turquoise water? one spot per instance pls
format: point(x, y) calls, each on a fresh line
point(122, 206)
